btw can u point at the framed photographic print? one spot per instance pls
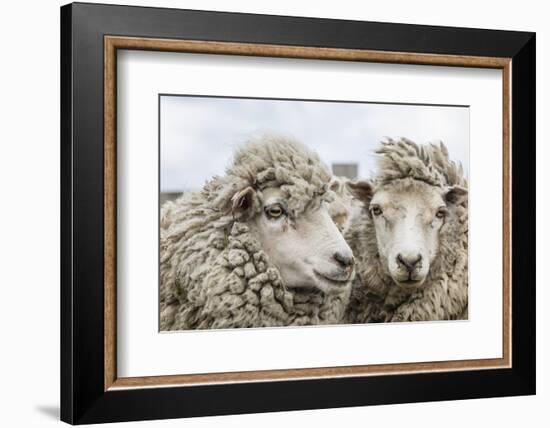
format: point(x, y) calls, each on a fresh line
point(265, 213)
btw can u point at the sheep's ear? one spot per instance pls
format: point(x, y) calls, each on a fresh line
point(456, 195)
point(243, 200)
point(361, 189)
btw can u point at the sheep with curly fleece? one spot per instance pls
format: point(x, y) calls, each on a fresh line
point(411, 240)
point(344, 206)
point(255, 247)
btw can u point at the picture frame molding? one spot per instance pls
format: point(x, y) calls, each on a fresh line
point(114, 43)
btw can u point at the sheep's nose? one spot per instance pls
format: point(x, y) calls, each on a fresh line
point(344, 259)
point(409, 262)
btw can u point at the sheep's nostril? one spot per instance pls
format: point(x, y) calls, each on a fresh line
point(409, 262)
point(343, 259)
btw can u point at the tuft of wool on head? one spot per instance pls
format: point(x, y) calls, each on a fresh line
point(429, 163)
point(275, 161)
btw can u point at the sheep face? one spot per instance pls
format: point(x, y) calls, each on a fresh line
point(307, 248)
point(407, 216)
point(343, 207)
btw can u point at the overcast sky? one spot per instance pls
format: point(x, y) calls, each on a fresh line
point(198, 134)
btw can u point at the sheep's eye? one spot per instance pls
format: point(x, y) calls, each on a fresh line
point(441, 213)
point(274, 211)
point(376, 210)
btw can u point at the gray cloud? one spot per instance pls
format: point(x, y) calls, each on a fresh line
point(198, 135)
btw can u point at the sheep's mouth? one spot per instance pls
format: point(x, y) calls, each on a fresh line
point(338, 281)
point(409, 282)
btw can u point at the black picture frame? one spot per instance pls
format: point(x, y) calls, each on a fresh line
point(83, 397)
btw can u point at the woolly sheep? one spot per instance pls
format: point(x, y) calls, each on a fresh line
point(411, 239)
point(255, 247)
point(344, 206)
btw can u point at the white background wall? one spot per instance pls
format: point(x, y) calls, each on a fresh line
point(29, 213)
